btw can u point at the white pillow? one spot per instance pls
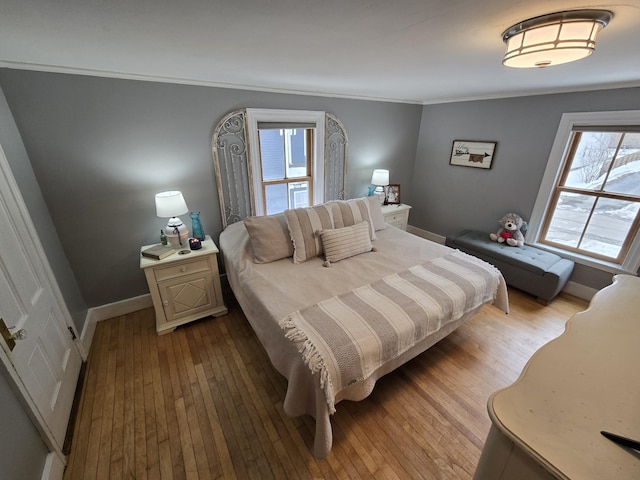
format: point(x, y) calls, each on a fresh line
point(375, 209)
point(341, 243)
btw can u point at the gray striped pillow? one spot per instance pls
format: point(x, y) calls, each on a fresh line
point(350, 212)
point(305, 225)
point(346, 242)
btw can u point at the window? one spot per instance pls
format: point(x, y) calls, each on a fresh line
point(287, 160)
point(286, 157)
point(589, 203)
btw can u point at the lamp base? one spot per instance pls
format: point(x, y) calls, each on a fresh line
point(177, 233)
point(380, 193)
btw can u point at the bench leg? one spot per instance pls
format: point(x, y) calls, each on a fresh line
point(542, 301)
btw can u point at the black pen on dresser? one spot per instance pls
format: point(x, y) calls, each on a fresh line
point(620, 440)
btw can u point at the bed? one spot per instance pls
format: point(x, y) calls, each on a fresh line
point(333, 328)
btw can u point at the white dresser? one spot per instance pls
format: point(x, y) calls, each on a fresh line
point(547, 425)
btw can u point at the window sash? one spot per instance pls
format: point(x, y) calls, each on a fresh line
point(624, 248)
point(286, 151)
point(285, 180)
point(288, 181)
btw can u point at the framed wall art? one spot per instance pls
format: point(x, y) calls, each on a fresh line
point(393, 194)
point(467, 153)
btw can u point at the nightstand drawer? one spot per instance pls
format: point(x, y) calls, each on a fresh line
point(397, 219)
point(184, 268)
point(401, 225)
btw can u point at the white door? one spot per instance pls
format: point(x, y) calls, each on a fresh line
point(45, 365)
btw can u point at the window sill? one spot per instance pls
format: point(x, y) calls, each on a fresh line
point(584, 260)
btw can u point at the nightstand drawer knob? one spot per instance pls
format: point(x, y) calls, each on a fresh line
point(183, 269)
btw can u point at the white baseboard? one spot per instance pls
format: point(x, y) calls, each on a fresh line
point(579, 290)
point(53, 467)
point(434, 237)
point(110, 310)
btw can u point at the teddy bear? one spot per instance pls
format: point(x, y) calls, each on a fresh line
point(509, 232)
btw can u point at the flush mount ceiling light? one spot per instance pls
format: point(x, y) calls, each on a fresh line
point(553, 39)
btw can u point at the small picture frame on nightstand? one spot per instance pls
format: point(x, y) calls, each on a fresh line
point(393, 194)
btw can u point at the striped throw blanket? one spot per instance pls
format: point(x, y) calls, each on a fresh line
point(346, 338)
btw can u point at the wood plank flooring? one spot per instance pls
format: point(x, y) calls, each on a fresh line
point(204, 402)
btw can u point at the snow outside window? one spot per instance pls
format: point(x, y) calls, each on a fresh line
point(593, 206)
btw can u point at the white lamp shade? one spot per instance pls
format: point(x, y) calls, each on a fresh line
point(170, 204)
point(380, 177)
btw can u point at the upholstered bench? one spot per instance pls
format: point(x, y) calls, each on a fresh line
point(527, 268)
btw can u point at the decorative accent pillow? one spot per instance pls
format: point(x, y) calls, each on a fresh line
point(305, 225)
point(350, 212)
point(346, 242)
point(375, 209)
point(269, 238)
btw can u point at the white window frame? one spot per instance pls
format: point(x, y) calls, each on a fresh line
point(255, 115)
point(631, 263)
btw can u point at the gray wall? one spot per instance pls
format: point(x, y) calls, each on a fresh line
point(101, 148)
point(16, 154)
point(449, 198)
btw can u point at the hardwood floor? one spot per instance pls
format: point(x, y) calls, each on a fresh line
point(204, 402)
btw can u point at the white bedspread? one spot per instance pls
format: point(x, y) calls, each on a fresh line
point(270, 292)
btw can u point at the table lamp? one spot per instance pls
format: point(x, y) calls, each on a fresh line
point(169, 205)
point(380, 179)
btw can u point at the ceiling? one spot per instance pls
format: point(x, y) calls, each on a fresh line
point(415, 51)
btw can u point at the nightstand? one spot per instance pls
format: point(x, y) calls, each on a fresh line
point(184, 287)
point(396, 215)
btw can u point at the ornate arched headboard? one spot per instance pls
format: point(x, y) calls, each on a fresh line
point(232, 164)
